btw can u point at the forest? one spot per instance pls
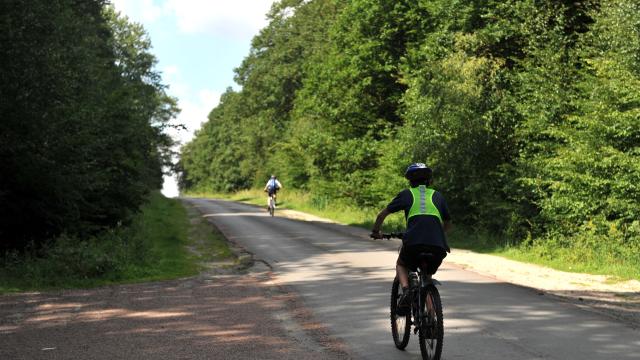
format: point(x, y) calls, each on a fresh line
point(527, 110)
point(82, 130)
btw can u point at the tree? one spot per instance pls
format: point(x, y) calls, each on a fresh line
point(83, 113)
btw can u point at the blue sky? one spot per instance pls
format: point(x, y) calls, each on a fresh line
point(198, 43)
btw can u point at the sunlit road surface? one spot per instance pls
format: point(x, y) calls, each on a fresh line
point(345, 279)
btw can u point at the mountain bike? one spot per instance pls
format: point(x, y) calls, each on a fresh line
point(426, 310)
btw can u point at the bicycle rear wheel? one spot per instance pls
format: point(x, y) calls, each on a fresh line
point(431, 327)
point(400, 325)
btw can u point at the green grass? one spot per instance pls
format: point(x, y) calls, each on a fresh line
point(571, 260)
point(153, 247)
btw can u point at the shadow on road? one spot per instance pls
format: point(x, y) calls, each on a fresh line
point(229, 317)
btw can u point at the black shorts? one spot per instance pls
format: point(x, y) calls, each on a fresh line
point(272, 191)
point(409, 256)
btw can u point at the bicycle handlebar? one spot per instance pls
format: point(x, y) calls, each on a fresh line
point(393, 235)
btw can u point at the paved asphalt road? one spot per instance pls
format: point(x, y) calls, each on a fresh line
point(345, 278)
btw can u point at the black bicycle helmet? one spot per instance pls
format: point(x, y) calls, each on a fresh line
point(417, 171)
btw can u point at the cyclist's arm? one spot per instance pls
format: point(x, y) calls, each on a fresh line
point(401, 201)
point(380, 219)
point(447, 226)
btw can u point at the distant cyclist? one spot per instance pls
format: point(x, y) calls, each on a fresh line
point(272, 187)
point(427, 216)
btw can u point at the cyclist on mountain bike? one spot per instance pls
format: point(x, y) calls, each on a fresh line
point(272, 187)
point(428, 219)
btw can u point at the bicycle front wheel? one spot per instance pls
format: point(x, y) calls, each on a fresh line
point(400, 325)
point(431, 327)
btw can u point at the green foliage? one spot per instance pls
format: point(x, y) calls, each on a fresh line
point(151, 247)
point(527, 110)
point(592, 177)
point(83, 113)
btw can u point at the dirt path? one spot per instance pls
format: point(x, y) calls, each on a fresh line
point(208, 317)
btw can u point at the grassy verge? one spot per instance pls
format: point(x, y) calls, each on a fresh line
point(571, 260)
point(155, 246)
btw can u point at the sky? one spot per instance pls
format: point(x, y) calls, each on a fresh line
point(198, 43)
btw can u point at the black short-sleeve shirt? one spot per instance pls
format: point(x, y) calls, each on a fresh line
point(422, 229)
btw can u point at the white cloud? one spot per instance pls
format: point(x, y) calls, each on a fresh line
point(194, 103)
point(236, 19)
point(170, 70)
point(207, 96)
point(224, 18)
point(141, 11)
point(194, 113)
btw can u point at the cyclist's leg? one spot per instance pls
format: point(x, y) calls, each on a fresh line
point(402, 273)
point(404, 261)
point(403, 278)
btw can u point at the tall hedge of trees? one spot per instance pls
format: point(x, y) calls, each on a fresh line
point(82, 114)
point(528, 110)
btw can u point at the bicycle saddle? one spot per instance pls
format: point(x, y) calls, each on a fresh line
point(426, 257)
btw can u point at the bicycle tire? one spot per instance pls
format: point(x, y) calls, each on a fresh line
point(431, 334)
point(399, 323)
